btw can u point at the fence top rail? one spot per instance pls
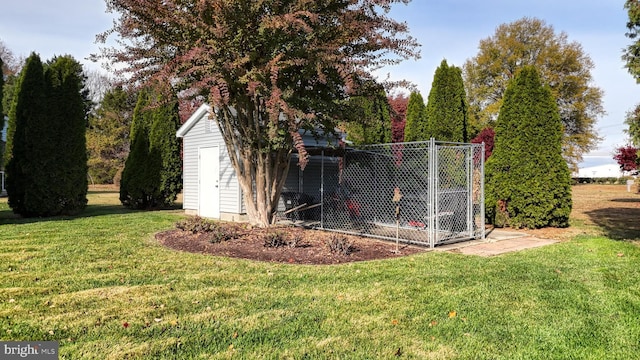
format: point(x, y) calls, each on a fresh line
point(417, 144)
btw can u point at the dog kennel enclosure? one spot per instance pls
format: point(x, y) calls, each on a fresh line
point(426, 193)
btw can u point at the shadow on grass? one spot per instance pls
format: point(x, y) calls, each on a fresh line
point(619, 223)
point(8, 217)
point(637, 201)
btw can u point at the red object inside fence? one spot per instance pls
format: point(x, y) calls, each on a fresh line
point(353, 207)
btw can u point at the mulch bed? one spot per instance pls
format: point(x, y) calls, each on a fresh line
point(311, 247)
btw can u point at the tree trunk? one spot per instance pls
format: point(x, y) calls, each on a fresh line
point(262, 184)
point(261, 170)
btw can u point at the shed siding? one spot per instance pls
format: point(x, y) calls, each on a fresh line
point(203, 134)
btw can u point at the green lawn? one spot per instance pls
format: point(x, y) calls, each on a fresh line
point(101, 286)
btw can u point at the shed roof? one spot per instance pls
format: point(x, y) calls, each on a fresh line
point(202, 111)
point(319, 140)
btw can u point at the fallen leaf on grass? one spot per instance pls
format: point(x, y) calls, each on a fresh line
point(394, 322)
point(157, 319)
point(125, 324)
point(452, 314)
point(433, 323)
point(620, 254)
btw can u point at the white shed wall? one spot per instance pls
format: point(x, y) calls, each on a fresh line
point(205, 133)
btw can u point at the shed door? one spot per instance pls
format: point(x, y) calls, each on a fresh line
point(209, 182)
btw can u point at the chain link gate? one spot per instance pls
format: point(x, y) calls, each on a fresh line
point(425, 193)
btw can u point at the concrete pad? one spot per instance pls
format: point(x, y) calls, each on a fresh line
point(498, 247)
point(502, 234)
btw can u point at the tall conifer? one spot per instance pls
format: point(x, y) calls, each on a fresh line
point(67, 135)
point(373, 124)
point(528, 183)
point(446, 109)
point(24, 155)
point(152, 175)
point(416, 124)
point(46, 162)
point(166, 121)
point(140, 182)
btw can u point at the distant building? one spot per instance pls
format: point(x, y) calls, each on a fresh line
point(601, 171)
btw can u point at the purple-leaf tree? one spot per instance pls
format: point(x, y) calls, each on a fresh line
point(626, 157)
point(268, 67)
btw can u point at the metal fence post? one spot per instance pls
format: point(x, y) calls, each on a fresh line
point(433, 197)
point(322, 199)
point(469, 150)
point(482, 213)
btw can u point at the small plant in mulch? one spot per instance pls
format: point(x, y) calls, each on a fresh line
point(276, 239)
point(215, 231)
point(196, 224)
point(340, 244)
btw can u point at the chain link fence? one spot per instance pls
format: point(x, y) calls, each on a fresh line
point(425, 193)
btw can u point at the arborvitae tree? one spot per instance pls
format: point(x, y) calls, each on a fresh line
point(140, 178)
point(528, 183)
point(67, 135)
point(446, 110)
point(166, 121)
point(152, 175)
point(47, 163)
point(24, 153)
point(415, 128)
point(374, 119)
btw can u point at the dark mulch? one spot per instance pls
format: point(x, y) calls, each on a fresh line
point(311, 248)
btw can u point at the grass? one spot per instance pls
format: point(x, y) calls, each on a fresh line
point(101, 286)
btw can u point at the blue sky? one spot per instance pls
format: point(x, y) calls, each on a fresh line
point(447, 29)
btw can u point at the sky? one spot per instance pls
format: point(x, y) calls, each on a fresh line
point(446, 29)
